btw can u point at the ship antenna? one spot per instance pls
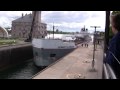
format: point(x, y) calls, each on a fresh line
point(84, 27)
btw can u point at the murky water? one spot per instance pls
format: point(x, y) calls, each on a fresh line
point(22, 71)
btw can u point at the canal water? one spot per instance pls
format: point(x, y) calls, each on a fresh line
point(22, 71)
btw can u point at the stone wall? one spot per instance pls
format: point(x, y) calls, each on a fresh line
point(15, 55)
point(22, 30)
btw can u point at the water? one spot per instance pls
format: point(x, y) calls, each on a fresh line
point(25, 70)
point(22, 71)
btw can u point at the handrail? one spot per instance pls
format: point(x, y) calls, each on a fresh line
point(112, 74)
point(115, 57)
point(106, 75)
point(108, 71)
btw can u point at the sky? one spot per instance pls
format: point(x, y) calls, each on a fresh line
point(69, 21)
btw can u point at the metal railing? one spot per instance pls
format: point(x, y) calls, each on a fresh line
point(115, 57)
point(106, 75)
point(108, 71)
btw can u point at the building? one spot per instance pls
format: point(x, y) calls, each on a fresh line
point(21, 27)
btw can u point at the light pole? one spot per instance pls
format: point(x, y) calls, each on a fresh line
point(93, 61)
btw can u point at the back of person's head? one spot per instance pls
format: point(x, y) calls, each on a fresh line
point(116, 21)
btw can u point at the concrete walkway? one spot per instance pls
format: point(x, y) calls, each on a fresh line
point(76, 65)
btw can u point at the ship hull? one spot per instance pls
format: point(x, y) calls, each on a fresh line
point(45, 57)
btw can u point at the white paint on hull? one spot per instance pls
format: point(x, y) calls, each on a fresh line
point(52, 44)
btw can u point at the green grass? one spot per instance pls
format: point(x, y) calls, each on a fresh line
point(7, 41)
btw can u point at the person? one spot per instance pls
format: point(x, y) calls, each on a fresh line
point(82, 45)
point(87, 44)
point(114, 45)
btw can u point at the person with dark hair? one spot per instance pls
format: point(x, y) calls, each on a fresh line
point(87, 44)
point(114, 45)
point(82, 45)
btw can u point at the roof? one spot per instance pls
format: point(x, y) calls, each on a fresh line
point(26, 18)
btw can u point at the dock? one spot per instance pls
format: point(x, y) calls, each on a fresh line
point(75, 65)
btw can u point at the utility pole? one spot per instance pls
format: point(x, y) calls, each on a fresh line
point(94, 40)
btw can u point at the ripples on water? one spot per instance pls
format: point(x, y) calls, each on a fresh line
point(23, 71)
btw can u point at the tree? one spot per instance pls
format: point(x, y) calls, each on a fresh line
point(115, 12)
point(57, 30)
point(77, 32)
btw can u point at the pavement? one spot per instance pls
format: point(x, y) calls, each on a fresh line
point(75, 65)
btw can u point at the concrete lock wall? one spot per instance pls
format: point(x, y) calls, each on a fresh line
point(15, 55)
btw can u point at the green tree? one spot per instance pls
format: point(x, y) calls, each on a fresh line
point(57, 30)
point(115, 12)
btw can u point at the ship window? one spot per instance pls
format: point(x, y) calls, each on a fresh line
point(52, 55)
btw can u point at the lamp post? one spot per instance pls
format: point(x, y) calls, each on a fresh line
point(94, 40)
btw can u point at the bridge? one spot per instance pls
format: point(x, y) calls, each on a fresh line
point(3, 32)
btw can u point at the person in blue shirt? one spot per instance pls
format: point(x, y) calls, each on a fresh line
point(114, 45)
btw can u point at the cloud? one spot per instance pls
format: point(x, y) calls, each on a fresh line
point(64, 16)
point(75, 20)
point(6, 17)
point(64, 20)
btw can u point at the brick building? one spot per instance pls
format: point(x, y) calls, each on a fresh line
point(21, 27)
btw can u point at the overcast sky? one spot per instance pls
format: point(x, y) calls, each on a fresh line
point(63, 20)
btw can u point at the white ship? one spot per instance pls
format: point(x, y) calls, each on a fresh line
point(47, 51)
